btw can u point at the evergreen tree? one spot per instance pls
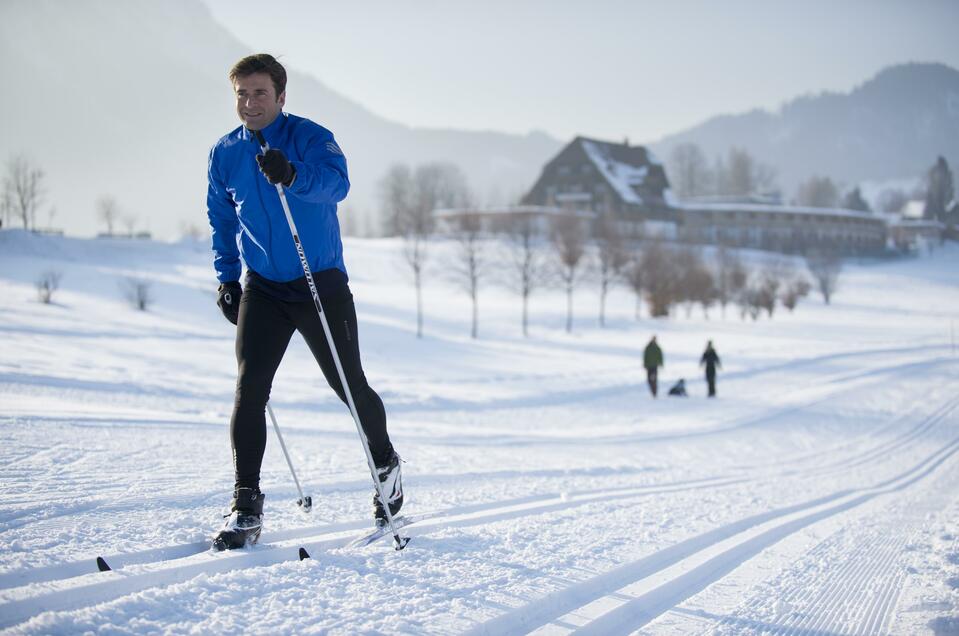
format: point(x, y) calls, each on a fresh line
point(854, 201)
point(940, 190)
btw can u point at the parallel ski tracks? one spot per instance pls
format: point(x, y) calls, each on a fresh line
point(633, 595)
point(44, 589)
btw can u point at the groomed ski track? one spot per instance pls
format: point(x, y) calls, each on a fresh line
point(817, 496)
point(620, 601)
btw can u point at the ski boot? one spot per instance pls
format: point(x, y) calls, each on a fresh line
point(391, 478)
point(243, 525)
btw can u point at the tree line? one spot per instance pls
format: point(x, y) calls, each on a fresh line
point(526, 251)
point(24, 192)
point(739, 174)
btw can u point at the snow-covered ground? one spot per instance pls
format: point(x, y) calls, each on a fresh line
point(817, 495)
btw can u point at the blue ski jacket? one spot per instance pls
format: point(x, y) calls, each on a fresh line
point(244, 208)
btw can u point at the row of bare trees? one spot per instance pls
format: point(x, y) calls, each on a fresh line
point(24, 191)
point(525, 251)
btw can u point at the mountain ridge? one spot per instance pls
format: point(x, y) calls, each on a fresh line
point(126, 97)
point(890, 126)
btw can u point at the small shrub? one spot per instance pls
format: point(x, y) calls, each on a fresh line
point(137, 292)
point(47, 284)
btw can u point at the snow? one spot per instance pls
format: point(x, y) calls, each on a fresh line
point(817, 494)
point(622, 176)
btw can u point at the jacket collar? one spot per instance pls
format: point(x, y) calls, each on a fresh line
point(271, 133)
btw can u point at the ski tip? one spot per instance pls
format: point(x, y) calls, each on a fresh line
point(102, 565)
point(304, 554)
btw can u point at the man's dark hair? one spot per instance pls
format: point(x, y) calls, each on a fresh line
point(261, 63)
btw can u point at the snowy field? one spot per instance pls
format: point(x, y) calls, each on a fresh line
point(819, 494)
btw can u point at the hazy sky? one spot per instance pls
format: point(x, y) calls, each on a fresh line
point(607, 68)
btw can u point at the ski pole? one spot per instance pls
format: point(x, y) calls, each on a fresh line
point(400, 542)
point(305, 501)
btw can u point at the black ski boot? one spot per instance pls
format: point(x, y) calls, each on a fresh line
point(391, 478)
point(243, 525)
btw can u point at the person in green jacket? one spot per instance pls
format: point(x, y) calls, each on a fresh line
point(652, 360)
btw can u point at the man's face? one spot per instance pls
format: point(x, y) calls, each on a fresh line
point(257, 103)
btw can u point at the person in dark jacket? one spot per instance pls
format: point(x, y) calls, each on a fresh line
point(652, 360)
point(711, 360)
point(250, 228)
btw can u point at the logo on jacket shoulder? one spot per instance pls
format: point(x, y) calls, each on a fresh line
point(332, 147)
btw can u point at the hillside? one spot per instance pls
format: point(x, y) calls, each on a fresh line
point(548, 490)
point(892, 126)
point(127, 96)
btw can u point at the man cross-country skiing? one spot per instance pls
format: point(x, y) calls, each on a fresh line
point(250, 227)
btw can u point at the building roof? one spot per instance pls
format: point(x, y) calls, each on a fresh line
point(632, 171)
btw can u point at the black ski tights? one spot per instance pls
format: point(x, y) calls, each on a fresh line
point(264, 329)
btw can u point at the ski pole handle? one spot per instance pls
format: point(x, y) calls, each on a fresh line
point(260, 140)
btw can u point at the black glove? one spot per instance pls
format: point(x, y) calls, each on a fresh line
point(229, 300)
point(274, 165)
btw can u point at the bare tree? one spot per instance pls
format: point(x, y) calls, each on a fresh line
point(108, 211)
point(770, 280)
point(138, 292)
point(660, 278)
point(396, 196)
point(795, 288)
point(688, 171)
point(818, 192)
point(526, 254)
point(741, 175)
point(47, 284)
point(410, 199)
point(636, 279)
point(612, 258)
point(692, 279)
point(825, 266)
point(130, 223)
point(750, 301)
point(467, 230)
point(730, 277)
point(766, 291)
point(569, 242)
point(415, 225)
point(23, 190)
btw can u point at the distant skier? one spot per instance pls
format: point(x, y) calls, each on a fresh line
point(711, 360)
point(249, 227)
point(679, 389)
point(652, 360)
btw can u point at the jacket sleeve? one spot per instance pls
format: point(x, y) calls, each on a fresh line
point(224, 224)
point(321, 176)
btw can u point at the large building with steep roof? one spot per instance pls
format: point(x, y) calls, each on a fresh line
point(601, 177)
point(629, 184)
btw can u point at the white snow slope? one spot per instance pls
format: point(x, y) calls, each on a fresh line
point(816, 495)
